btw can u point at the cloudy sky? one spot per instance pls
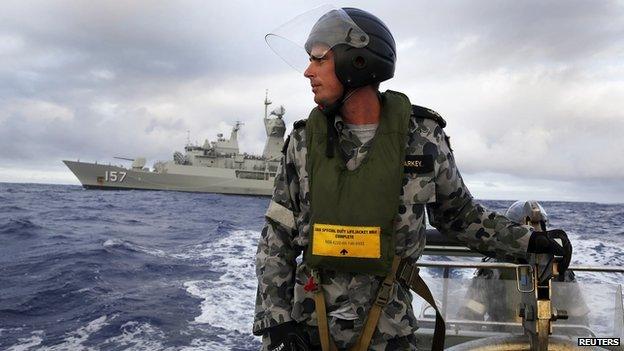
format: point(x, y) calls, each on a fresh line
point(533, 91)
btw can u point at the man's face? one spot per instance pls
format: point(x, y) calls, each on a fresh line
point(326, 87)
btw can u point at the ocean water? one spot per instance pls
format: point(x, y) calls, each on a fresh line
point(147, 270)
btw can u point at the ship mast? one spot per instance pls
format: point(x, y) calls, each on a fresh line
point(275, 129)
point(267, 102)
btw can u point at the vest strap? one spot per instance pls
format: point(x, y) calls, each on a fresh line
point(321, 314)
point(383, 296)
point(409, 275)
point(403, 271)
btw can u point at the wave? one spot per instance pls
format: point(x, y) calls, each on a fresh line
point(224, 227)
point(21, 226)
point(136, 336)
point(177, 268)
point(11, 208)
point(74, 340)
point(27, 343)
point(233, 293)
point(132, 222)
point(111, 244)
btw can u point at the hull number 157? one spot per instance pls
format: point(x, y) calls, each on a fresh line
point(114, 176)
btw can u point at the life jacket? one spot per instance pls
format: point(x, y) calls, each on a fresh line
point(353, 211)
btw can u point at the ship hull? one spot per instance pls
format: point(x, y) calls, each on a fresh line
point(197, 179)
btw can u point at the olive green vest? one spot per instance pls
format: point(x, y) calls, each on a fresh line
point(348, 208)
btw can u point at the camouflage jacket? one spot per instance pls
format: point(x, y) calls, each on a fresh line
point(450, 208)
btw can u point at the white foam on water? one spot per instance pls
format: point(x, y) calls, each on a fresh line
point(35, 339)
point(134, 336)
point(73, 340)
point(597, 252)
point(137, 336)
point(206, 345)
point(228, 302)
point(113, 243)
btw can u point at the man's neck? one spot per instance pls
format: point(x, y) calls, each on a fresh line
point(362, 107)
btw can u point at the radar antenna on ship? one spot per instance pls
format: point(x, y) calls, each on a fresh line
point(237, 126)
point(279, 112)
point(267, 102)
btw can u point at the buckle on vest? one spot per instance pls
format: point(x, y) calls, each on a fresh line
point(383, 296)
point(314, 280)
point(407, 272)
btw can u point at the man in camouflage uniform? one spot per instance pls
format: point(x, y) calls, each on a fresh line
point(285, 308)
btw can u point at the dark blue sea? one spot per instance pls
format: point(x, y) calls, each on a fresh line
point(147, 270)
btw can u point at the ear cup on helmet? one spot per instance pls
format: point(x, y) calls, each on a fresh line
point(359, 62)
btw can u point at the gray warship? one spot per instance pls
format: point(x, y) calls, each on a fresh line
point(214, 167)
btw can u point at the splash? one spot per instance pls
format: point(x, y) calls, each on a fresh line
point(228, 302)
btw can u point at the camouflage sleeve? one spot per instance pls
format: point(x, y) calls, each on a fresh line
point(276, 255)
point(455, 213)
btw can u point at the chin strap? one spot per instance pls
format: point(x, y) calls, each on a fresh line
point(330, 111)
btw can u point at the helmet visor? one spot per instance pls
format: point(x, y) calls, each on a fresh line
point(313, 33)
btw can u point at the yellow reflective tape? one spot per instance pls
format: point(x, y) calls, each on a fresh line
point(346, 241)
point(281, 215)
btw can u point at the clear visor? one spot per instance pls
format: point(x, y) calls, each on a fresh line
point(313, 33)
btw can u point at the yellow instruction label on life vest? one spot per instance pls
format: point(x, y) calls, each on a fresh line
point(346, 241)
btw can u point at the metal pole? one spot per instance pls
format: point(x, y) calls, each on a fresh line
point(503, 265)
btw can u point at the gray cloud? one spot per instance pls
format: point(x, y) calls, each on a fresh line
point(517, 81)
point(510, 33)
